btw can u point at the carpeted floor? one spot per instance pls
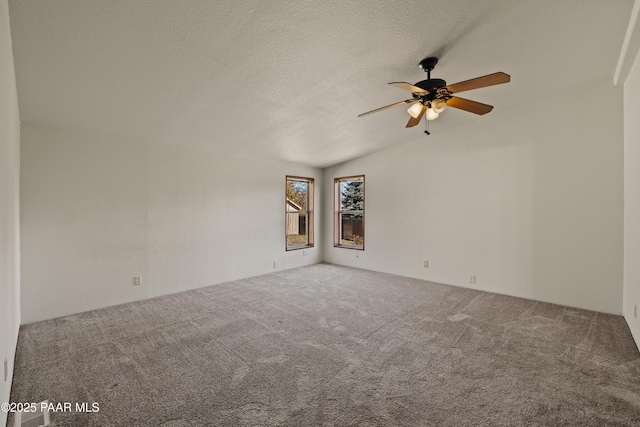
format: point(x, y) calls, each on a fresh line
point(333, 346)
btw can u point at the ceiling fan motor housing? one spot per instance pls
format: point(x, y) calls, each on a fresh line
point(431, 85)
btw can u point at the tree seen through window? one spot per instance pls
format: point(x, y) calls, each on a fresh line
point(349, 222)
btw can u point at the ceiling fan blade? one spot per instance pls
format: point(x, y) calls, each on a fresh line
point(478, 82)
point(414, 121)
point(406, 101)
point(470, 106)
point(408, 86)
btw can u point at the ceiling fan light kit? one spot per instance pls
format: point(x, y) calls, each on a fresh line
point(415, 110)
point(438, 105)
point(432, 96)
point(432, 114)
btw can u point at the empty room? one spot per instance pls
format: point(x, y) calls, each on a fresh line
point(419, 213)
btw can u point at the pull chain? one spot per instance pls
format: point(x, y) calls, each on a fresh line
point(426, 124)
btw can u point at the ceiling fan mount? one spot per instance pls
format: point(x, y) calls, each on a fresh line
point(432, 96)
point(428, 64)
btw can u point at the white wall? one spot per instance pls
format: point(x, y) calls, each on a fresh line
point(529, 200)
point(97, 211)
point(632, 199)
point(9, 208)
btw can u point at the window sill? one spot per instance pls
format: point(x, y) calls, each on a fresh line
point(296, 248)
point(357, 248)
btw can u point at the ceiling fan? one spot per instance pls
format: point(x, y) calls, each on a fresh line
point(432, 96)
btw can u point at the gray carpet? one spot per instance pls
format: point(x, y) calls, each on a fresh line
point(333, 346)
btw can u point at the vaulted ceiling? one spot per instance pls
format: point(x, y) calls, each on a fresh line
point(285, 80)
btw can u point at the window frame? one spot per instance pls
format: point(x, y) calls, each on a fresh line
point(308, 212)
point(337, 211)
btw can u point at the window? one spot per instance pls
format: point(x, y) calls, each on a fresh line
point(299, 212)
point(348, 224)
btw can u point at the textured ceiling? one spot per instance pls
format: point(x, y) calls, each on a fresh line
point(286, 79)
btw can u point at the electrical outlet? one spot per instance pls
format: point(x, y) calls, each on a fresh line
point(472, 278)
point(275, 264)
point(426, 264)
point(137, 280)
point(304, 253)
point(6, 369)
point(635, 310)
